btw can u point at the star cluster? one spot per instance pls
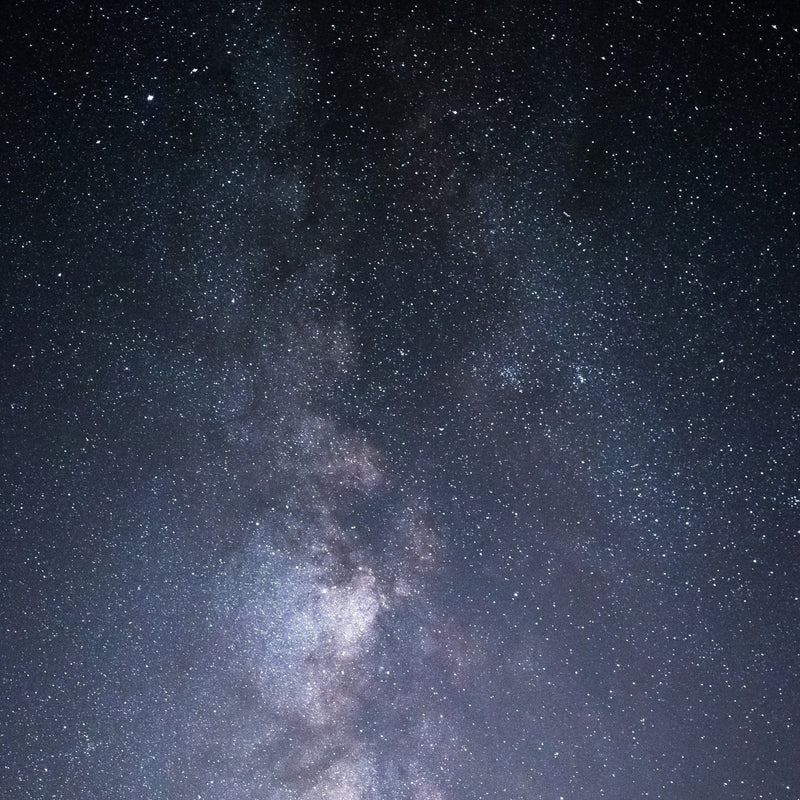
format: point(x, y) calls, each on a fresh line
point(400, 403)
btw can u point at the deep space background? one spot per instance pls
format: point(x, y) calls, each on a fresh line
point(400, 402)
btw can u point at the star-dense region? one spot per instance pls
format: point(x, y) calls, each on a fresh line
point(400, 401)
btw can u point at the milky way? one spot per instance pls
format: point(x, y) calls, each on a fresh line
point(400, 403)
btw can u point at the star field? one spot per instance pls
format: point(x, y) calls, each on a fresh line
point(400, 402)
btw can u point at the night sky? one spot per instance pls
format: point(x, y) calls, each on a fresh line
point(400, 402)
